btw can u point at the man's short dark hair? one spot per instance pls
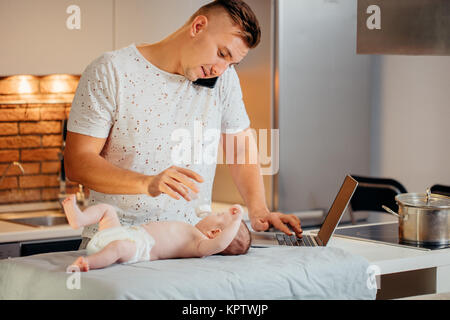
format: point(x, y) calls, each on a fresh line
point(241, 14)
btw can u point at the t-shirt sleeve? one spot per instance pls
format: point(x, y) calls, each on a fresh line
point(94, 104)
point(234, 115)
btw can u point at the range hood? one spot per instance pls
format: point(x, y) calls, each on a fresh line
point(407, 27)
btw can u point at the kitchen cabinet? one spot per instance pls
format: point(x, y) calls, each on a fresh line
point(149, 21)
point(36, 39)
point(27, 248)
point(9, 250)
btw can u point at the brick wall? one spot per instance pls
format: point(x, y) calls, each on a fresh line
point(31, 133)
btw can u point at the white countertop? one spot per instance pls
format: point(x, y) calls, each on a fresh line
point(13, 232)
point(393, 259)
point(388, 258)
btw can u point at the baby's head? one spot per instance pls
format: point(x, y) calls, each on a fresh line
point(241, 242)
point(216, 222)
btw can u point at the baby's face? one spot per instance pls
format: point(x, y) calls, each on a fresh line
point(218, 220)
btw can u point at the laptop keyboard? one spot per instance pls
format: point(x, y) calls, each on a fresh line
point(305, 241)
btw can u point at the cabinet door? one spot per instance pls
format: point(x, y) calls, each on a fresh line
point(29, 248)
point(36, 40)
point(9, 250)
point(149, 21)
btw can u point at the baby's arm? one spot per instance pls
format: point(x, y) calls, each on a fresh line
point(207, 247)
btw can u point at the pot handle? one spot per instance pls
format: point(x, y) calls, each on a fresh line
point(389, 210)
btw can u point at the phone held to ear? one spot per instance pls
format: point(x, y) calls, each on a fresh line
point(208, 82)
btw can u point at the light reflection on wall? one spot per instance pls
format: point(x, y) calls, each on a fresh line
point(30, 84)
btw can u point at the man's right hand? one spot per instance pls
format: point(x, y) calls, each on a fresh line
point(174, 181)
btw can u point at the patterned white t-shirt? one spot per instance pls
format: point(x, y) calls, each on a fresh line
point(152, 120)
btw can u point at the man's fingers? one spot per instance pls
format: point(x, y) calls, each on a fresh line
point(165, 189)
point(261, 225)
point(190, 173)
point(177, 187)
point(294, 222)
point(180, 177)
point(277, 223)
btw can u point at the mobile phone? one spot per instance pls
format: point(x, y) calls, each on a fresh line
point(208, 82)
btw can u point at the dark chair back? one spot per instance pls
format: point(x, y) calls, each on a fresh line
point(441, 189)
point(372, 193)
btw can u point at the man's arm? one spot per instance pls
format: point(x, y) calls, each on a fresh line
point(249, 182)
point(84, 165)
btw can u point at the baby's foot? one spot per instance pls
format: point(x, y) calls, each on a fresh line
point(82, 264)
point(73, 213)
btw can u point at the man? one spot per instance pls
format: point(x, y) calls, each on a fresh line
point(130, 103)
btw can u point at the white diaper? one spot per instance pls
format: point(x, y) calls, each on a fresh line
point(143, 240)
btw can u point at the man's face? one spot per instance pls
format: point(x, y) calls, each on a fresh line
point(214, 47)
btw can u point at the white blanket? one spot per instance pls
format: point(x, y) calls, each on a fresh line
point(263, 273)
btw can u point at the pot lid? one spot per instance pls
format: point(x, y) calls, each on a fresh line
point(424, 200)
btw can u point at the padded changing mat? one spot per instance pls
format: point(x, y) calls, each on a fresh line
point(263, 273)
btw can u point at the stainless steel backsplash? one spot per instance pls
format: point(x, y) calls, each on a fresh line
point(407, 27)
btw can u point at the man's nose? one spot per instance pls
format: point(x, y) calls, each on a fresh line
point(219, 68)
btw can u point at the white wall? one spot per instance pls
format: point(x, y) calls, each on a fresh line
point(35, 39)
point(410, 134)
point(149, 21)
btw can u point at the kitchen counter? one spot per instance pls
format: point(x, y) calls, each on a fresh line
point(13, 232)
point(399, 267)
point(404, 271)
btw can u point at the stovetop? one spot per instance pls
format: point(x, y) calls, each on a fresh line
point(385, 233)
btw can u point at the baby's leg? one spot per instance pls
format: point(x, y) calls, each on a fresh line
point(116, 251)
point(102, 213)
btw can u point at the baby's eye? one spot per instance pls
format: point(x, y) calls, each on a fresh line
point(221, 54)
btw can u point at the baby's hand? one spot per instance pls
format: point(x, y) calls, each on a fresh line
point(236, 211)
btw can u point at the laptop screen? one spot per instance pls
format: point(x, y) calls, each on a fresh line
point(337, 209)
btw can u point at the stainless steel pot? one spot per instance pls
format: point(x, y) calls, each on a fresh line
point(423, 218)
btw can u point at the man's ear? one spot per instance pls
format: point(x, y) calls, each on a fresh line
point(213, 233)
point(198, 25)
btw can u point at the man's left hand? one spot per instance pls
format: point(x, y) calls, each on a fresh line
point(261, 220)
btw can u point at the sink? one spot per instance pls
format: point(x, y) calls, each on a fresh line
point(45, 221)
point(46, 218)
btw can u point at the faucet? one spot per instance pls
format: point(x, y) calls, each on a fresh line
point(15, 163)
point(62, 175)
point(81, 199)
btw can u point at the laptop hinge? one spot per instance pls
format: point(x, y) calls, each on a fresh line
point(319, 242)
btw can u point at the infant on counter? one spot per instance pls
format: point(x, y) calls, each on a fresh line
point(222, 232)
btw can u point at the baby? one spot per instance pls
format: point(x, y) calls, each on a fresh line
point(224, 233)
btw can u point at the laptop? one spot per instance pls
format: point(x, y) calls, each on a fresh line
point(273, 239)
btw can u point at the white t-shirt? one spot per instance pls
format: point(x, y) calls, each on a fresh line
point(150, 117)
